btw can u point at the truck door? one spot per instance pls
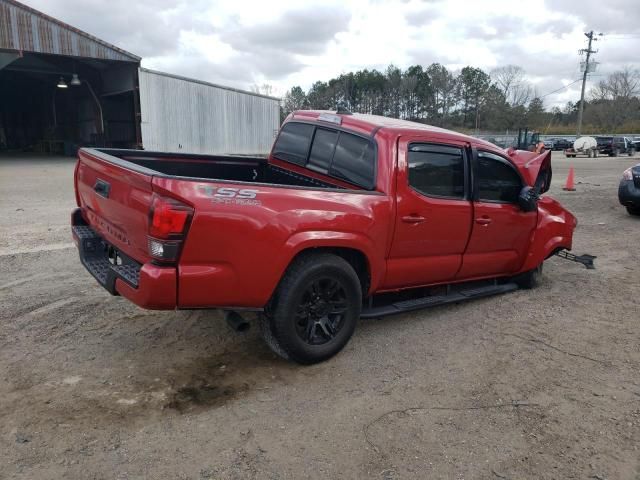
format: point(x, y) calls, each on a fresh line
point(434, 212)
point(501, 230)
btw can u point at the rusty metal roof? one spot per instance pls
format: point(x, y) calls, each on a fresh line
point(23, 28)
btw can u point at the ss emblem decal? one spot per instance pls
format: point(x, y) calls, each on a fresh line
point(244, 195)
point(225, 192)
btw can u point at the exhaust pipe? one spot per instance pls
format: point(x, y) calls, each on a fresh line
point(236, 321)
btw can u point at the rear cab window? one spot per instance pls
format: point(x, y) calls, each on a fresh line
point(293, 143)
point(333, 152)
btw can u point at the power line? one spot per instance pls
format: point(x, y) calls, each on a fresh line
point(622, 35)
point(561, 88)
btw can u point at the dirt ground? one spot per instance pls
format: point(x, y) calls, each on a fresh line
point(541, 384)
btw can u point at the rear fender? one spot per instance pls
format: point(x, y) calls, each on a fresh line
point(554, 231)
point(310, 240)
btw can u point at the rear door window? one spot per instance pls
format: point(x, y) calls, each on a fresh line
point(437, 170)
point(293, 142)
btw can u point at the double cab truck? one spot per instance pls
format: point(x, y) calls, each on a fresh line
point(350, 216)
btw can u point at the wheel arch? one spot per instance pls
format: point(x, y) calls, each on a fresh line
point(354, 257)
point(355, 249)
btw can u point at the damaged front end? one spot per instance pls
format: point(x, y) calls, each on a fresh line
point(554, 231)
point(535, 168)
point(584, 259)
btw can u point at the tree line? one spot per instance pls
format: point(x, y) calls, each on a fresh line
point(473, 100)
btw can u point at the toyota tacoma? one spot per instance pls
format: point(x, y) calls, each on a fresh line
point(350, 216)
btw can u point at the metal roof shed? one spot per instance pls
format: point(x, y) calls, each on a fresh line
point(185, 115)
point(61, 87)
point(25, 29)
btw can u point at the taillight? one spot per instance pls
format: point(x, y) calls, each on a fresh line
point(169, 217)
point(627, 174)
point(168, 223)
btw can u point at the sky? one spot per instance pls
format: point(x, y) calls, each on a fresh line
point(291, 42)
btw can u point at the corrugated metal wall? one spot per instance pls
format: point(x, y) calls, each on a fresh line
point(183, 115)
point(24, 29)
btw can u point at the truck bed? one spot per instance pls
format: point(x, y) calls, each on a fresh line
point(210, 167)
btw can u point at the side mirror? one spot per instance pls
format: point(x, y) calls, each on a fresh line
point(528, 200)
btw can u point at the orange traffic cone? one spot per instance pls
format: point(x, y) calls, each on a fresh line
point(569, 185)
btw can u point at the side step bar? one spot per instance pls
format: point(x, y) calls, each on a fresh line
point(434, 300)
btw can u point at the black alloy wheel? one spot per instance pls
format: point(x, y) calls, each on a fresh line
point(315, 309)
point(320, 313)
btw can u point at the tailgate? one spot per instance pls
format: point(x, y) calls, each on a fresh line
point(115, 201)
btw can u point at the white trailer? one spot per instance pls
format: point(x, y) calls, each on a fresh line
point(583, 146)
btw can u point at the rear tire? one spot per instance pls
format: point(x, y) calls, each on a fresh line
point(315, 309)
point(635, 211)
point(590, 153)
point(530, 279)
point(632, 152)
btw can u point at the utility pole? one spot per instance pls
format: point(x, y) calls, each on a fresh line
point(588, 51)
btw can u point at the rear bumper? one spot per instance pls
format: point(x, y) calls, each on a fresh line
point(629, 194)
point(147, 285)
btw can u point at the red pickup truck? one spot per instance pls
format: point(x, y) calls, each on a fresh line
point(350, 216)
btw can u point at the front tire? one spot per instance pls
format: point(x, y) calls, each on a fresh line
point(635, 211)
point(315, 309)
point(530, 279)
point(632, 152)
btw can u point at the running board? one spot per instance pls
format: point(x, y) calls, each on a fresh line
point(435, 300)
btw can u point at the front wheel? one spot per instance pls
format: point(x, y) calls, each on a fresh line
point(315, 309)
point(632, 152)
point(530, 279)
point(635, 211)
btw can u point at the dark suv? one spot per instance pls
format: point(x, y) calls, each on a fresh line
point(614, 146)
point(629, 190)
point(561, 144)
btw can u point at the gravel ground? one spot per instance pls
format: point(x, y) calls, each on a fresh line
point(541, 384)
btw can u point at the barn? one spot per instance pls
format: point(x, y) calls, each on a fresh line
point(62, 88)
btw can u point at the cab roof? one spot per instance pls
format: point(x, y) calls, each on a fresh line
point(529, 164)
point(370, 124)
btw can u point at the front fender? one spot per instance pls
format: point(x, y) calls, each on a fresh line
point(554, 231)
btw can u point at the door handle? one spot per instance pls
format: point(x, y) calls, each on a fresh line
point(483, 221)
point(413, 219)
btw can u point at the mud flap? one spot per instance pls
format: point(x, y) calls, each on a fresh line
point(585, 259)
